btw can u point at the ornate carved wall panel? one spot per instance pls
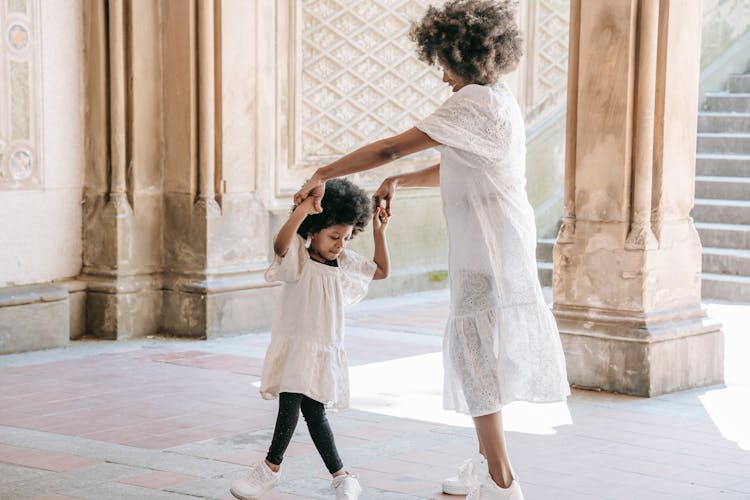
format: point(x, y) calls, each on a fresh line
point(547, 57)
point(353, 77)
point(20, 165)
point(360, 77)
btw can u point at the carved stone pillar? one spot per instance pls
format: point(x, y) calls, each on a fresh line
point(122, 202)
point(628, 258)
point(216, 229)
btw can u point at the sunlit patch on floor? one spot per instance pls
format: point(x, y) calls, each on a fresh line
point(411, 387)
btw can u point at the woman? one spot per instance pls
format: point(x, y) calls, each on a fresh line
point(501, 342)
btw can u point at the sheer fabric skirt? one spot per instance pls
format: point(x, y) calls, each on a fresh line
point(497, 355)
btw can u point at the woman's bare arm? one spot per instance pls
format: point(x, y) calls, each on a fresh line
point(365, 158)
point(427, 177)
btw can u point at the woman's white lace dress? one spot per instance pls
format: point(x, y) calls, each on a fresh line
point(501, 342)
point(306, 354)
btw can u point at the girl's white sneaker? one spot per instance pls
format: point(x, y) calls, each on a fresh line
point(346, 487)
point(257, 481)
point(489, 490)
point(468, 477)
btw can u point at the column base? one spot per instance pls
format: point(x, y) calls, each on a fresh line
point(217, 305)
point(119, 308)
point(641, 354)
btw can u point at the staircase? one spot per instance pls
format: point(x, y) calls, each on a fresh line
point(544, 248)
point(722, 192)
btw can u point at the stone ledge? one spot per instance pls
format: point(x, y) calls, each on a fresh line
point(33, 317)
point(29, 294)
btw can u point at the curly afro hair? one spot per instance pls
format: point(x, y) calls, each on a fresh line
point(343, 203)
point(477, 40)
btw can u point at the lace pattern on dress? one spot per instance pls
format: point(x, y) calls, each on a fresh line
point(476, 368)
point(468, 121)
point(491, 360)
point(473, 292)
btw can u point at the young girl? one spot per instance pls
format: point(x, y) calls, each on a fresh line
point(305, 365)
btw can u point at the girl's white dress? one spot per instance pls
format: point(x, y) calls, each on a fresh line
point(501, 342)
point(306, 354)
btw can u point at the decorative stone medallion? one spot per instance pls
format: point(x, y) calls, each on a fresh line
point(20, 165)
point(18, 37)
point(20, 100)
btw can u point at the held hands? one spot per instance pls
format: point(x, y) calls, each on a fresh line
point(379, 221)
point(384, 194)
point(382, 205)
point(308, 205)
point(313, 190)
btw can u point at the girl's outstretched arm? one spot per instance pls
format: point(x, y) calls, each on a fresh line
point(365, 158)
point(381, 258)
point(285, 236)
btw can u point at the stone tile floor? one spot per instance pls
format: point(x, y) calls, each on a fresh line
point(165, 418)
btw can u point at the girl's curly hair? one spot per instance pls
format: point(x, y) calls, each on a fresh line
point(343, 203)
point(477, 40)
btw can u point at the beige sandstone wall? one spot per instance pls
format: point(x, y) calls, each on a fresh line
point(40, 222)
point(298, 84)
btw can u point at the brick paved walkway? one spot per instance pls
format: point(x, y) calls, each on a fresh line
point(167, 419)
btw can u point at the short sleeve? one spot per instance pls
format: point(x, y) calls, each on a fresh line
point(356, 275)
point(470, 120)
point(289, 267)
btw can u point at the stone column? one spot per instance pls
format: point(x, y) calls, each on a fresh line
point(216, 227)
point(122, 199)
point(627, 261)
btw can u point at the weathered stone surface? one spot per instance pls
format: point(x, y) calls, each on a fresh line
point(33, 317)
point(627, 273)
point(122, 307)
point(77, 307)
point(216, 306)
point(642, 355)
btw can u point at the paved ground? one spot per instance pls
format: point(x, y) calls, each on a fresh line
point(168, 419)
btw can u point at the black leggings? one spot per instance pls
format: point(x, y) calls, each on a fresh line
point(290, 404)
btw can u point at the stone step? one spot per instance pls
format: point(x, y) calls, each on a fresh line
point(725, 287)
point(724, 122)
point(544, 248)
point(731, 261)
point(544, 270)
point(726, 165)
point(715, 234)
point(739, 84)
point(723, 101)
point(724, 211)
point(724, 143)
point(726, 188)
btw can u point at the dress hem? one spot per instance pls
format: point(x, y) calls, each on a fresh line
point(501, 406)
point(329, 404)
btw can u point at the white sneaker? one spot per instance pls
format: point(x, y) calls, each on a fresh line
point(489, 490)
point(346, 487)
point(257, 481)
point(469, 475)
